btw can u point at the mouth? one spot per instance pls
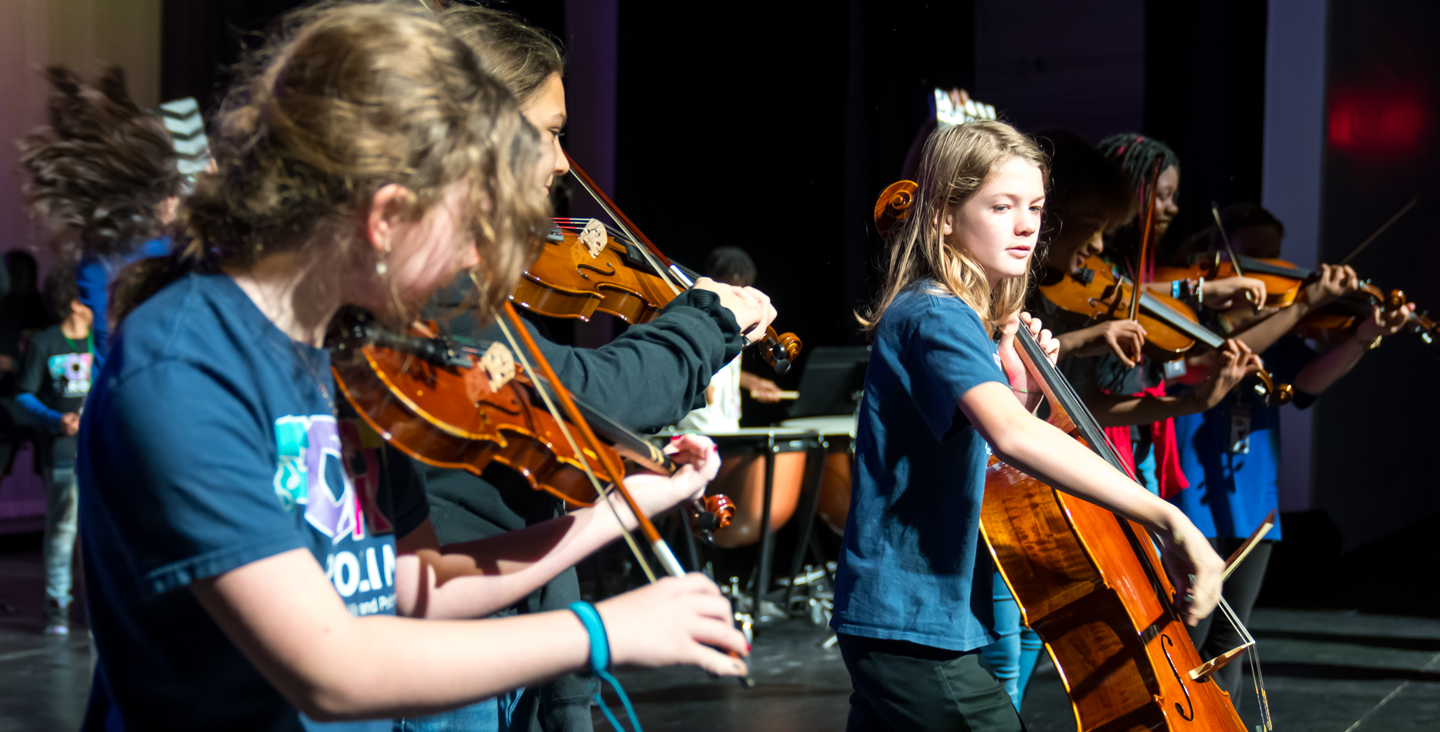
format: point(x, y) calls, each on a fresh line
point(1020, 252)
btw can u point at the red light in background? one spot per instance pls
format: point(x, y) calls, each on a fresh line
point(1371, 121)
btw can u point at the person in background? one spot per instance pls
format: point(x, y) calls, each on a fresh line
point(52, 388)
point(103, 178)
point(22, 314)
point(1231, 453)
point(731, 266)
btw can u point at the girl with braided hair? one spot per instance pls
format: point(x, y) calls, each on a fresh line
point(244, 576)
point(103, 179)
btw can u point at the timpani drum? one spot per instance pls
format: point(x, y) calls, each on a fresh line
point(742, 478)
point(838, 435)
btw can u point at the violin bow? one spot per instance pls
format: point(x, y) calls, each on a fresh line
point(1145, 238)
point(658, 546)
point(1356, 251)
point(1219, 226)
point(657, 259)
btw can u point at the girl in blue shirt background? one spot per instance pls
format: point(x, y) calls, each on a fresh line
point(912, 599)
point(1231, 453)
point(242, 579)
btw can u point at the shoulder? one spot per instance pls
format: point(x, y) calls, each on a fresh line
point(198, 317)
point(925, 303)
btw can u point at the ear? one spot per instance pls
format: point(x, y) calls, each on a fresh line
point(387, 210)
point(947, 221)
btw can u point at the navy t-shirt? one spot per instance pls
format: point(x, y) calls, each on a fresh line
point(911, 554)
point(210, 441)
point(1231, 492)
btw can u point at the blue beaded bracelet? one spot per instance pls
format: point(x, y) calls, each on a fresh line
point(600, 663)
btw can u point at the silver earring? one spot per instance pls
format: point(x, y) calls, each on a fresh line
point(380, 266)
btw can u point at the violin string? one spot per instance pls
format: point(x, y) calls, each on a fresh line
point(665, 274)
point(584, 463)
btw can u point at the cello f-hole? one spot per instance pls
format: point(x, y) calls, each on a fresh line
point(1190, 716)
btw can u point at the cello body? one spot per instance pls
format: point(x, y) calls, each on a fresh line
point(1092, 586)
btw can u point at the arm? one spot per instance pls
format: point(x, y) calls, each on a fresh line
point(1049, 455)
point(1333, 282)
point(655, 373)
point(93, 281)
point(1124, 338)
point(1320, 373)
point(478, 578)
point(761, 389)
point(1236, 362)
point(285, 617)
point(29, 383)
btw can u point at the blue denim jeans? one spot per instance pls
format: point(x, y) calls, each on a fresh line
point(60, 513)
point(1011, 658)
point(490, 715)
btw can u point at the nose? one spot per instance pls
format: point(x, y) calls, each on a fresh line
point(562, 163)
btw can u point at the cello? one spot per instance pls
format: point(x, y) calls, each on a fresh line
point(1092, 586)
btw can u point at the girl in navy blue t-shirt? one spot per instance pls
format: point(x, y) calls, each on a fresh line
point(246, 569)
point(912, 600)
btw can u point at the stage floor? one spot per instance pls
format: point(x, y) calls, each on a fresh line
point(1326, 671)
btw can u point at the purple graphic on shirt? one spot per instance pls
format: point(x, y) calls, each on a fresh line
point(307, 446)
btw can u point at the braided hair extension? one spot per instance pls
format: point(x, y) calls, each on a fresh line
point(101, 168)
point(1136, 154)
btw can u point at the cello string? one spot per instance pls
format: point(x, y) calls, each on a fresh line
point(564, 430)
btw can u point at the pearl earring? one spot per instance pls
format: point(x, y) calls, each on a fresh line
point(380, 266)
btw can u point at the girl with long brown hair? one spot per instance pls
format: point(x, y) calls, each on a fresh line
point(912, 599)
point(240, 577)
point(648, 377)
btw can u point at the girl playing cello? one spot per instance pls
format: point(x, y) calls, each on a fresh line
point(912, 601)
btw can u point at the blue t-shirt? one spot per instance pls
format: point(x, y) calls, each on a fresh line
point(209, 441)
point(1230, 493)
point(911, 554)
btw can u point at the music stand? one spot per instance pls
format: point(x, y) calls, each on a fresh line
point(832, 381)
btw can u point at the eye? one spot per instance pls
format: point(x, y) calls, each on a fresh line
point(1002, 207)
point(1037, 209)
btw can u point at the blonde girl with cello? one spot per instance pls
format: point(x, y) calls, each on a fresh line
point(239, 580)
point(913, 602)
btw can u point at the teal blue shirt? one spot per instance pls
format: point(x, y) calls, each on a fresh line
point(912, 566)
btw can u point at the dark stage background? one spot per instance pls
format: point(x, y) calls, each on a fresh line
point(772, 126)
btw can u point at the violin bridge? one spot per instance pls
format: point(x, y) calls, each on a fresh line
point(498, 364)
point(593, 237)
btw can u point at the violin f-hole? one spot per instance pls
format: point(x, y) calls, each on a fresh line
point(592, 268)
point(1164, 642)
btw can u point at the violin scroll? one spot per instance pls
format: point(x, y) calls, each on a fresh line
point(710, 514)
point(780, 349)
point(1276, 395)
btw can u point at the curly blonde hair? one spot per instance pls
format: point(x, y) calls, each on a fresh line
point(351, 98)
point(954, 164)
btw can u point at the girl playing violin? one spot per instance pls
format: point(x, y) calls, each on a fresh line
point(1091, 203)
point(1231, 453)
point(647, 378)
point(912, 600)
point(241, 579)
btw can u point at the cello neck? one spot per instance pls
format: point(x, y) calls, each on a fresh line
point(1064, 399)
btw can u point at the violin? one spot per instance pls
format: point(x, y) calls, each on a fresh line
point(1283, 282)
point(1092, 586)
point(585, 266)
point(451, 405)
point(1099, 292)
